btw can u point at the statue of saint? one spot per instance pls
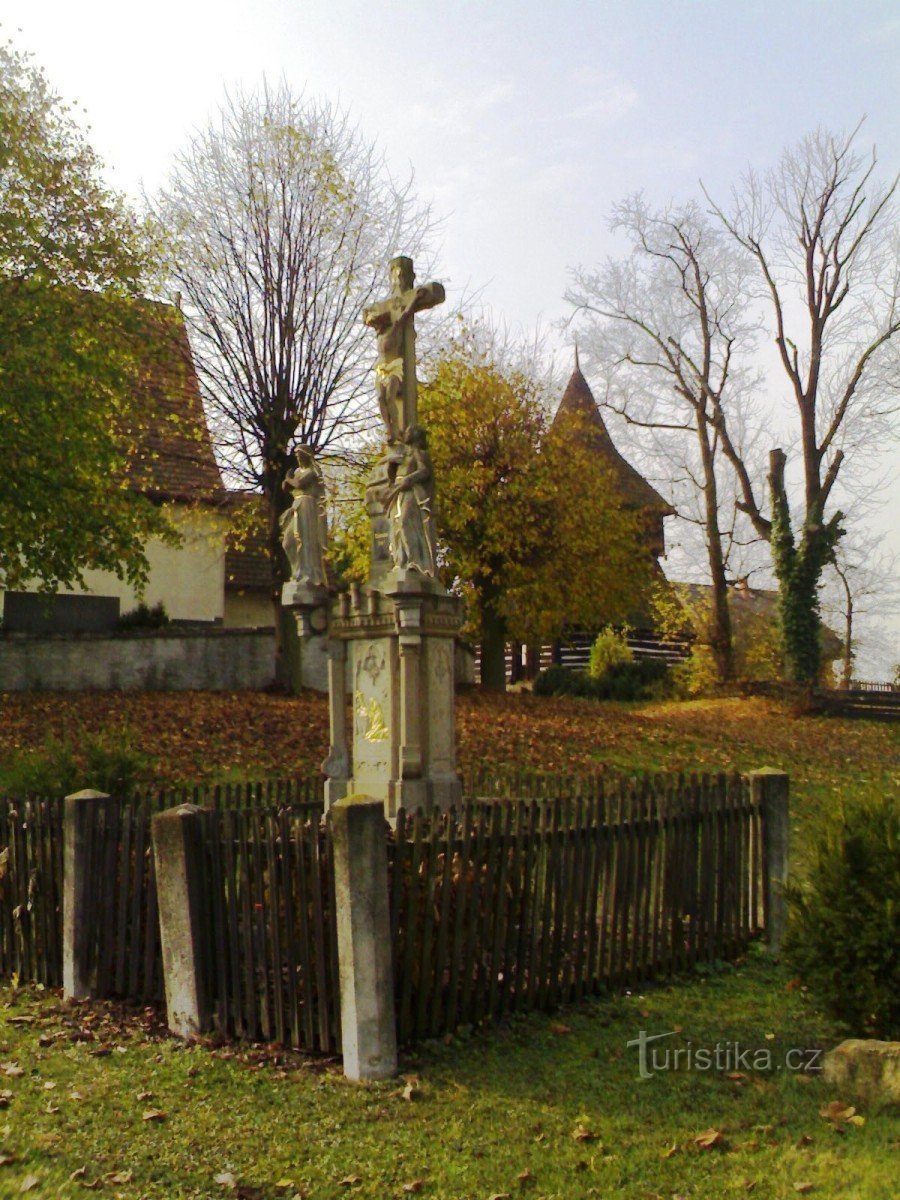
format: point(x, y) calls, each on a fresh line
point(409, 504)
point(392, 320)
point(304, 532)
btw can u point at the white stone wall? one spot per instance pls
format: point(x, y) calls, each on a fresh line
point(163, 660)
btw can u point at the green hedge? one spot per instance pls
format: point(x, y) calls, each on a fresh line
point(642, 679)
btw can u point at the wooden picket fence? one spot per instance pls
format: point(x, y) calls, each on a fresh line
point(270, 923)
point(124, 955)
point(512, 906)
point(502, 906)
point(31, 872)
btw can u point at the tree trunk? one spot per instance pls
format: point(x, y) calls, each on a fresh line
point(720, 635)
point(797, 569)
point(493, 651)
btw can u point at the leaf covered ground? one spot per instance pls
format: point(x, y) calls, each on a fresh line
point(231, 736)
point(549, 1106)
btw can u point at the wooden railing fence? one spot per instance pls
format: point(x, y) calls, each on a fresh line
point(505, 905)
point(124, 952)
point(512, 906)
point(272, 945)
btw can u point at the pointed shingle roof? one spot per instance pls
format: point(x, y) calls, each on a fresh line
point(578, 403)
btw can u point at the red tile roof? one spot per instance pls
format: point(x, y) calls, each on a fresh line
point(174, 459)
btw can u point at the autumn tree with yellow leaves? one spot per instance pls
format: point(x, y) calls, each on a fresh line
point(531, 531)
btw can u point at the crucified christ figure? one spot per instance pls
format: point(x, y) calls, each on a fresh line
point(395, 371)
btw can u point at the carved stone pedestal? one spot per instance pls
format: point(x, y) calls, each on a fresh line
point(309, 604)
point(400, 642)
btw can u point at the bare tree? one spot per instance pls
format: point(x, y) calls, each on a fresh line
point(671, 330)
point(823, 235)
point(280, 220)
point(861, 593)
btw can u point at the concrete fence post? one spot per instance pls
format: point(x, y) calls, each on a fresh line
point(368, 1023)
point(178, 848)
point(79, 820)
point(770, 789)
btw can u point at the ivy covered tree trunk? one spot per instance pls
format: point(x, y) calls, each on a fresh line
point(798, 568)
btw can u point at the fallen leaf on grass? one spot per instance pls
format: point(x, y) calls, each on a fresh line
point(560, 1029)
point(119, 1177)
point(710, 1139)
point(12, 1069)
point(414, 1185)
point(500, 1196)
point(6, 1158)
point(225, 1179)
point(350, 1181)
point(29, 1183)
point(747, 1184)
point(803, 1188)
point(411, 1090)
point(840, 1114)
point(525, 1177)
point(51, 1108)
point(75, 1095)
point(283, 1185)
point(673, 1149)
point(581, 1134)
point(154, 1114)
point(5, 1096)
point(143, 1097)
point(49, 1085)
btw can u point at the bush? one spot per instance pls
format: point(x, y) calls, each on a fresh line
point(144, 617)
point(643, 679)
point(843, 937)
point(610, 650)
point(105, 762)
point(696, 675)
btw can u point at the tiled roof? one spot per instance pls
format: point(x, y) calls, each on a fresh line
point(247, 567)
point(578, 402)
point(247, 564)
point(174, 459)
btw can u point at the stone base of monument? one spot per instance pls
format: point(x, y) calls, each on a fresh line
point(309, 605)
point(399, 639)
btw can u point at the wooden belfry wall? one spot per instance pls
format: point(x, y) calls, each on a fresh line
point(504, 905)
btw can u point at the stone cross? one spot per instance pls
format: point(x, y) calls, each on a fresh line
point(392, 320)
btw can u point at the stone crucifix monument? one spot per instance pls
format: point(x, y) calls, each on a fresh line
point(392, 643)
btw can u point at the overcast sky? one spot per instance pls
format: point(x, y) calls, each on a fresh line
point(524, 120)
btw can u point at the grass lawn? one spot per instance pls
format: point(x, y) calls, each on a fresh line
point(546, 1107)
point(549, 1106)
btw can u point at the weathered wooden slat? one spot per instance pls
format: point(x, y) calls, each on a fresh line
point(301, 909)
point(275, 920)
point(412, 932)
point(469, 964)
point(524, 941)
point(461, 901)
point(448, 828)
point(517, 883)
point(547, 970)
point(495, 957)
point(316, 880)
